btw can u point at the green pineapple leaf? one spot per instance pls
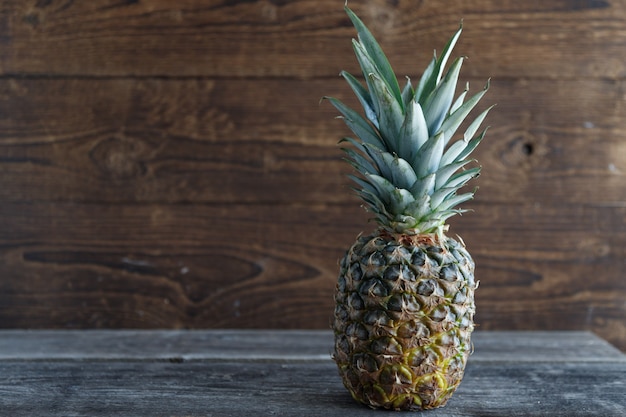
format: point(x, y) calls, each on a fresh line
point(441, 194)
point(438, 103)
point(455, 200)
point(425, 87)
point(444, 173)
point(377, 55)
point(390, 115)
point(452, 122)
point(359, 162)
point(407, 93)
point(381, 159)
point(402, 173)
point(400, 199)
point(413, 133)
point(447, 50)
point(473, 127)
point(420, 207)
point(384, 188)
point(460, 179)
point(357, 124)
point(459, 101)
point(367, 68)
point(460, 149)
point(363, 95)
point(409, 166)
point(432, 75)
point(471, 145)
point(428, 157)
point(424, 186)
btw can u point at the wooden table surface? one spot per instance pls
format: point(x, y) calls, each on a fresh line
point(287, 373)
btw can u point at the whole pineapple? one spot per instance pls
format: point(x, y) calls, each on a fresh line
point(405, 293)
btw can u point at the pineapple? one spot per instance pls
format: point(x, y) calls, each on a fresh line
point(405, 294)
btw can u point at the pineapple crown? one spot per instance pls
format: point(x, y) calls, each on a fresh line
point(409, 169)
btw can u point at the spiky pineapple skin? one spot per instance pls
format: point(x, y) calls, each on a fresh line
point(403, 319)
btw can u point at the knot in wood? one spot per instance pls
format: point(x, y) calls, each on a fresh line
point(119, 158)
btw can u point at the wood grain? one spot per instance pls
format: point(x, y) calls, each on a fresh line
point(243, 141)
point(307, 38)
point(124, 375)
point(168, 164)
point(279, 346)
point(81, 265)
point(224, 389)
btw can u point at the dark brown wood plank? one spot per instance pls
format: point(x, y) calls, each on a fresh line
point(168, 266)
point(312, 389)
point(552, 267)
point(166, 164)
point(167, 141)
point(306, 38)
point(273, 266)
point(277, 345)
point(270, 141)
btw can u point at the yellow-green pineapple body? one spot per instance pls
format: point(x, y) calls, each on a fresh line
point(405, 293)
point(403, 319)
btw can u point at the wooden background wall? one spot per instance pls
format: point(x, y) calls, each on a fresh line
point(167, 164)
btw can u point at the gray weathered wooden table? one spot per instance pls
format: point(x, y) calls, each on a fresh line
point(287, 373)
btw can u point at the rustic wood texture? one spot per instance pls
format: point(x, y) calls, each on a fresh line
point(168, 164)
point(306, 38)
point(182, 373)
point(278, 345)
point(311, 389)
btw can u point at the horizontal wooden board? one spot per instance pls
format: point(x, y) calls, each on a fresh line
point(274, 266)
point(312, 389)
point(233, 141)
point(169, 164)
point(168, 266)
point(277, 345)
point(307, 38)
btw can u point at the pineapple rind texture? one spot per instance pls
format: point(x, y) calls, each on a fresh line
point(403, 319)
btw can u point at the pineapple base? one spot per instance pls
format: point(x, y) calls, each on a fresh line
point(403, 319)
